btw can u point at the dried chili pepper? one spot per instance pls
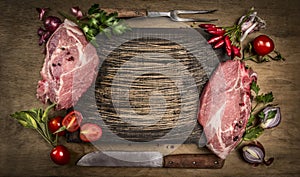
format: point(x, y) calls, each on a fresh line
point(228, 45)
point(215, 39)
point(217, 33)
point(219, 44)
point(207, 25)
point(236, 51)
point(213, 29)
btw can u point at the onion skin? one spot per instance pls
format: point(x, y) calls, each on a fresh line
point(51, 23)
point(44, 37)
point(273, 122)
point(42, 12)
point(76, 12)
point(253, 154)
point(41, 31)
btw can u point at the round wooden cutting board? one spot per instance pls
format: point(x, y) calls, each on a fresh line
point(148, 85)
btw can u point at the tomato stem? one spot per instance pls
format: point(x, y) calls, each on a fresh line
point(56, 139)
point(47, 131)
point(45, 137)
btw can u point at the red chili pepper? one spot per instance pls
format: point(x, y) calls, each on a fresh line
point(217, 33)
point(206, 25)
point(214, 29)
point(236, 51)
point(215, 39)
point(211, 28)
point(228, 45)
point(219, 44)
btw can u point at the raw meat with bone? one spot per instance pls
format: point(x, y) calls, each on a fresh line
point(225, 106)
point(69, 67)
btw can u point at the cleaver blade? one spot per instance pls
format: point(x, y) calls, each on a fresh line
point(150, 159)
point(122, 159)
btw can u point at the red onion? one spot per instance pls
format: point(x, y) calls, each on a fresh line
point(41, 31)
point(52, 23)
point(76, 12)
point(255, 154)
point(41, 12)
point(44, 38)
point(268, 122)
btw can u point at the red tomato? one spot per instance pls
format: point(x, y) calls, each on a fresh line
point(263, 45)
point(72, 121)
point(90, 132)
point(60, 155)
point(54, 124)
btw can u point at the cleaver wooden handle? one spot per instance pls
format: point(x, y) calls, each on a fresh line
point(193, 161)
point(123, 13)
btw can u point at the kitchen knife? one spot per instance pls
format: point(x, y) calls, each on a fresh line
point(150, 159)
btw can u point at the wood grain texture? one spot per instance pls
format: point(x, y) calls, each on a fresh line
point(147, 88)
point(24, 153)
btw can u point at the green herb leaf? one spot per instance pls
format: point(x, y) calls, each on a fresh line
point(253, 133)
point(25, 119)
point(97, 21)
point(271, 114)
point(255, 87)
point(264, 59)
point(36, 119)
point(278, 56)
point(251, 120)
point(93, 22)
point(265, 98)
point(93, 9)
point(45, 114)
point(261, 115)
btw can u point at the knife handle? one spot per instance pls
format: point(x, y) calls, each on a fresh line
point(123, 13)
point(193, 161)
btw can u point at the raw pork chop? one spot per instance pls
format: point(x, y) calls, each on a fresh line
point(69, 67)
point(225, 106)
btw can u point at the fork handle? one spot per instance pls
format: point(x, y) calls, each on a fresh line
point(126, 13)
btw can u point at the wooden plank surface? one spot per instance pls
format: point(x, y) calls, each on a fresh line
point(24, 153)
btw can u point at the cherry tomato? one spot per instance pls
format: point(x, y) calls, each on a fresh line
point(90, 132)
point(72, 121)
point(54, 124)
point(263, 45)
point(60, 155)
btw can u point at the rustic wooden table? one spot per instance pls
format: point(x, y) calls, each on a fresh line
point(24, 153)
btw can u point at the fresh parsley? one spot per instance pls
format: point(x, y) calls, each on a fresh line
point(253, 129)
point(264, 98)
point(271, 115)
point(253, 133)
point(248, 50)
point(97, 21)
point(255, 88)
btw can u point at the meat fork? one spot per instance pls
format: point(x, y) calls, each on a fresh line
point(173, 14)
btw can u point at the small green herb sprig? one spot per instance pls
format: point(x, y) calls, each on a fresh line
point(37, 119)
point(97, 21)
point(248, 55)
point(253, 129)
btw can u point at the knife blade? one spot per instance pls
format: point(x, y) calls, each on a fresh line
point(149, 159)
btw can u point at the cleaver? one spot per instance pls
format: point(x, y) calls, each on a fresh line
point(150, 159)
